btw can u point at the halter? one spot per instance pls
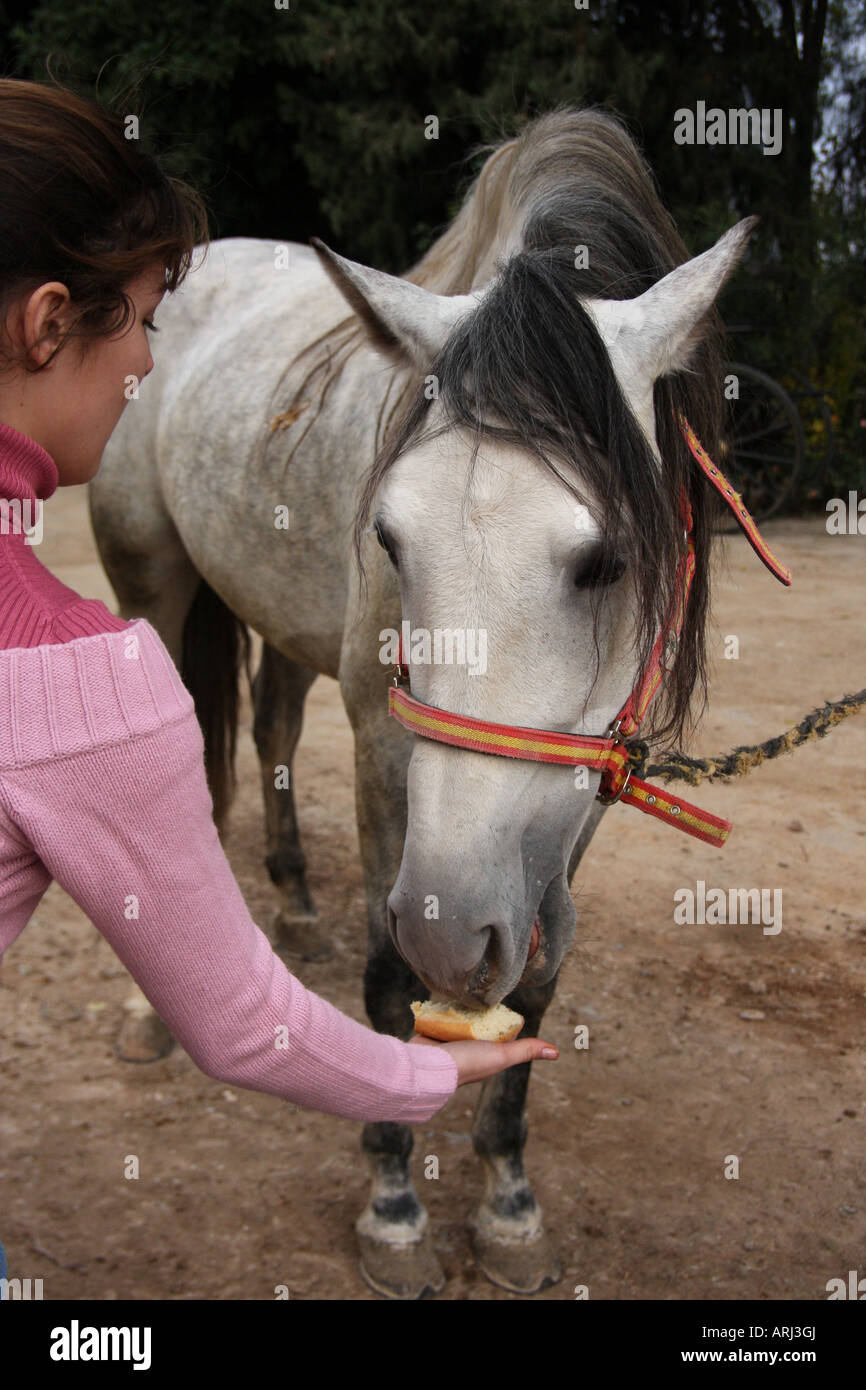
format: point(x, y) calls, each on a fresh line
point(609, 754)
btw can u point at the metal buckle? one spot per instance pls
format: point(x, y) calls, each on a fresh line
point(402, 675)
point(607, 800)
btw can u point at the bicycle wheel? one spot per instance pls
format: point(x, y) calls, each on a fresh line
point(764, 444)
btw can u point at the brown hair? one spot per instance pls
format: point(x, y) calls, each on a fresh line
point(82, 204)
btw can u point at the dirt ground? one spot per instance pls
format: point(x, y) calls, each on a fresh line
point(705, 1041)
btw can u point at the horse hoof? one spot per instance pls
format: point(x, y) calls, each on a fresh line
point(522, 1266)
point(410, 1270)
point(300, 936)
point(143, 1037)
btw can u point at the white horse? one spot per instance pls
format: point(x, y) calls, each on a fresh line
point(501, 421)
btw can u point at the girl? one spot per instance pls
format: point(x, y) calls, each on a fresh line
point(102, 781)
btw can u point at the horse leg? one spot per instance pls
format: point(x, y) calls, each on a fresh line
point(508, 1236)
point(153, 578)
point(143, 1036)
point(279, 690)
point(397, 1256)
point(507, 1230)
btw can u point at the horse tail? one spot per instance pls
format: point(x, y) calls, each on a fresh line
point(215, 645)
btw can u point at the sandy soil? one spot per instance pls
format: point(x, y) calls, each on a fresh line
point(706, 1041)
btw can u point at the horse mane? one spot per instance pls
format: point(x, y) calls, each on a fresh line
point(573, 177)
point(456, 263)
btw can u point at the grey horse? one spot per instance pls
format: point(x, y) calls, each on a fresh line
point(485, 447)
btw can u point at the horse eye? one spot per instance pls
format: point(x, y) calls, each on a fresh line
point(599, 569)
point(385, 542)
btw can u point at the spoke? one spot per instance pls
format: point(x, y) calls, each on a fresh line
point(771, 427)
point(764, 458)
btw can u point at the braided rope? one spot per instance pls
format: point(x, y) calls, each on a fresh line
point(676, 766)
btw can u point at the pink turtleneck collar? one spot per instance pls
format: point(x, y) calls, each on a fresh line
point(26, 469)
point(35, 608)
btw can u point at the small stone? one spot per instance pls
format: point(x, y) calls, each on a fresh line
point(752, 1015)
point(144, 1037)
point(758, 987)
point(61, 1011)
point(851, 1113)
point(796, 826)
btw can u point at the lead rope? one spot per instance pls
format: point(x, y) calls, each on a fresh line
point(676, 766)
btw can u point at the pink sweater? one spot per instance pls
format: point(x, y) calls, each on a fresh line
point(103, 788)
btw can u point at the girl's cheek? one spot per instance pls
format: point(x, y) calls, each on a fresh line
point(142, 365)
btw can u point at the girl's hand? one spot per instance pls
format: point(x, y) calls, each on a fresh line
point(476, 1060)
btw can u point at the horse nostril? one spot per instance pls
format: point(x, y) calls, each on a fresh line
point(479, 980)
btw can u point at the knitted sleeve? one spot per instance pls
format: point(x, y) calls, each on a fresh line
point(126, 828)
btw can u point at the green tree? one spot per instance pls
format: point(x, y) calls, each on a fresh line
point(312, 120)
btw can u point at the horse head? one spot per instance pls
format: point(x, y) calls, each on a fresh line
point(528, 513)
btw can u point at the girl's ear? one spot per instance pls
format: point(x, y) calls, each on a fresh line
point(41, 320)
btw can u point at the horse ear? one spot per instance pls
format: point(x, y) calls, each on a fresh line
point(656, 333)
point(401, 319)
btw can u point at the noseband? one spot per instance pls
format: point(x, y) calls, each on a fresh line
point(608, 754)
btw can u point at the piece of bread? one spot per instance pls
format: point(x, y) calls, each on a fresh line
point(438, 1018)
